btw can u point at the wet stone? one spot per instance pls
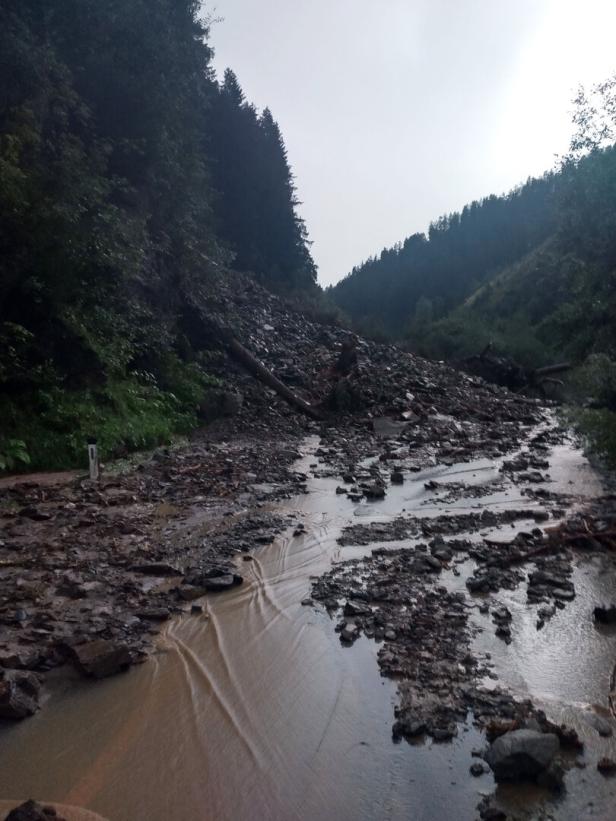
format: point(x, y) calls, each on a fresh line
point(607, 766)
point(356, 608)
point(521, 754)
point(101, 658)
point(219, 584)
point(349, 633)
point(19, 694)
point(154, 614)
point(188, 592)
point(605, 614)
point(600, 724)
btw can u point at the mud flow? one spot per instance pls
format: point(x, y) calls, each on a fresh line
point(255, 709)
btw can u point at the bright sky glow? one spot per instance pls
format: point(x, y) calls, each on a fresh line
point(397, 111)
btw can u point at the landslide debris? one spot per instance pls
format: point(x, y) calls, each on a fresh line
point(88, 571)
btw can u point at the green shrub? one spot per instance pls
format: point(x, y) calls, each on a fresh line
point(132, 413)
point(599, 429)
point(13, 453)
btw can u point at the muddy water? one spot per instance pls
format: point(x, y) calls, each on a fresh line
point(257, 712)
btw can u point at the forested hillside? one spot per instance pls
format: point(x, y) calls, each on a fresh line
point(130, 179)
point(533, 272)
point(425, 276)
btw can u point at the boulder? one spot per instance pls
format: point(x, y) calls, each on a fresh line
point(101, 658)
point(19, 694)
point(522, 754)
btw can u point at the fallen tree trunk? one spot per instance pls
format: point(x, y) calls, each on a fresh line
point(257, 369)
point(549, 370)
point(206, 329)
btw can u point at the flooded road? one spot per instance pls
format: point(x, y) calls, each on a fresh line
point(255, 710)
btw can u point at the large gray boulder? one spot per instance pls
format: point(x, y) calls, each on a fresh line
point(522, 754)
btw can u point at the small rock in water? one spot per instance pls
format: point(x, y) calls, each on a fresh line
point(188, 592)
point(606, 766)
point(605, 614)
point(477, 769)
point(374, 492)
point(601, 725)
point(503, 631)
point(219, 583)
point(349, 633)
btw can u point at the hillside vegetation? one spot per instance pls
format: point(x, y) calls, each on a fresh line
point(129, 176)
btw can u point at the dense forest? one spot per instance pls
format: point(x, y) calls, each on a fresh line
point(129, 179)
point(532, 272)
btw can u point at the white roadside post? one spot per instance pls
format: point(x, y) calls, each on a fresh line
point(93, 459)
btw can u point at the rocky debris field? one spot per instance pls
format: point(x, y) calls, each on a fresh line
point(90, 570)
point(417, 593)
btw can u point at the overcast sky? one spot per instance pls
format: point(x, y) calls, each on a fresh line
point(397, 111)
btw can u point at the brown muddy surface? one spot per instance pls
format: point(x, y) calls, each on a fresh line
point(197, 570)
point(256, 709)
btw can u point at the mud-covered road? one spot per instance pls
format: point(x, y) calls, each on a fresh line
point(407, 610)
point(259, 706)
